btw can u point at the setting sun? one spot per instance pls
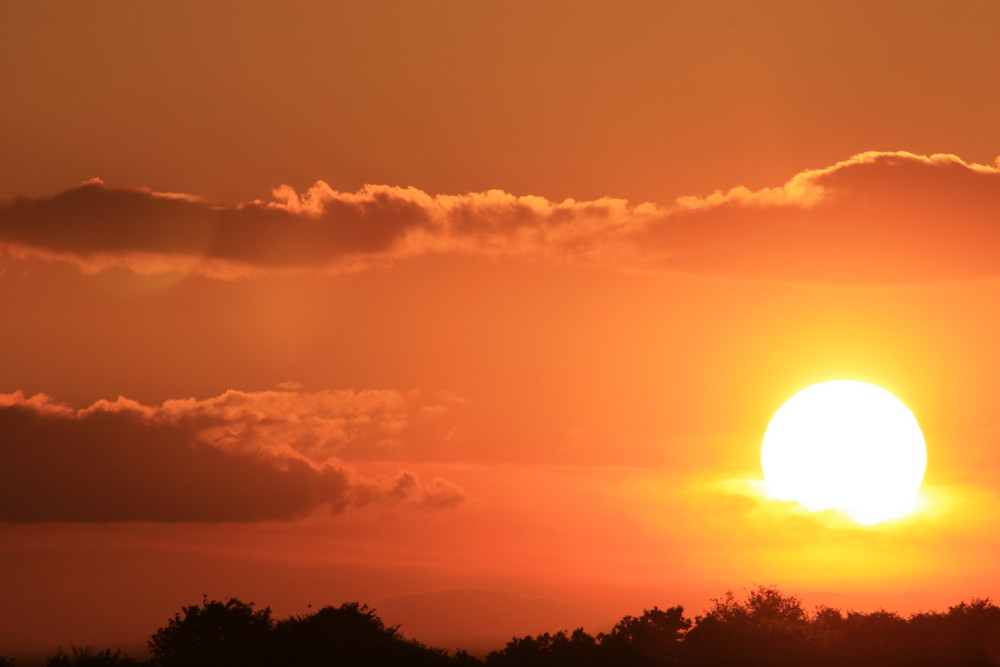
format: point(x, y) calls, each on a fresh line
point(847, 446)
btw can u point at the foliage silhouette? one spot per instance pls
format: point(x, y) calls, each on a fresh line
point(766, 628)
point(769, 628)
point(214, 634)
point(351, 634)
point(651, 639)
point(463, 658)
point(85, 657)
point(577, 648)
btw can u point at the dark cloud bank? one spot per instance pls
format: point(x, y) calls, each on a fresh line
point(125, 462)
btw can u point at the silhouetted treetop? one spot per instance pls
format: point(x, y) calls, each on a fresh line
point(651, 639)
point(351, 634)
point(214, 634)
point(765, 628)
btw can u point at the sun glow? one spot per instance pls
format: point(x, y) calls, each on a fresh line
point(846, 446)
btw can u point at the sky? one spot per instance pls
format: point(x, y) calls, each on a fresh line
point(477, 312)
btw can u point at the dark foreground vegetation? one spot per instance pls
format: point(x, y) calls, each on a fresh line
point(765, 628)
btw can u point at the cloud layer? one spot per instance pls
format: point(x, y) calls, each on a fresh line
point(241, 456)
point(878, 217)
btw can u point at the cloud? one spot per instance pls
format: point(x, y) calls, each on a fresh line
point(238, 457)
point(318, 426)
point(407, 490)
point(320, 230)
point(879, 217)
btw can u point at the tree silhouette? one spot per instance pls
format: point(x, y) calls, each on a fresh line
point(546, 650)
point(878, 637)
point(972, 632)
point(768, 628)
point(351, 634)
point(85, 657)
point(462, 658)
point(214, 634)
point(651, 639)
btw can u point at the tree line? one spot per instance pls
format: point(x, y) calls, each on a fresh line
point(765, 628)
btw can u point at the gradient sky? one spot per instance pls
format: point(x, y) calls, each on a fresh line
point(477, 311)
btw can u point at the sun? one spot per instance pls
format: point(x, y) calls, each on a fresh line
point(846, 446)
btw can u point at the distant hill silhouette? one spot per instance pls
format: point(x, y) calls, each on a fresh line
point(765, 628)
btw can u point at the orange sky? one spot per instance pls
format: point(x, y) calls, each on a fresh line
point(456, 308)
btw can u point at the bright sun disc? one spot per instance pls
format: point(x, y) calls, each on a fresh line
point(847, 446)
